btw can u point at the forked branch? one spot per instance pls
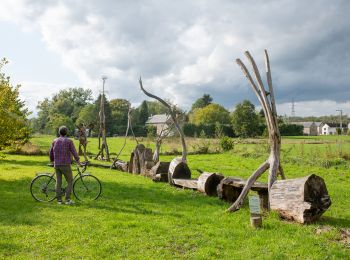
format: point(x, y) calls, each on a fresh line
point(172, 113)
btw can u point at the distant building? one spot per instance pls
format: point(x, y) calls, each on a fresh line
point(319, 127)
point(331, 128)
point(309, 128)
point(160, 122)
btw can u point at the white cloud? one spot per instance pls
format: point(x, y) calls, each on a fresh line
point(185, 49)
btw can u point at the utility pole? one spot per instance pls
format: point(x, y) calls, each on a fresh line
point(341, 120)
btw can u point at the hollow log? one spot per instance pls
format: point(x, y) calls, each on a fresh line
point(230, 189)
point(178, 169)
point(160, 167)
point(208, 183)
point(303, 199)
point(160, 177)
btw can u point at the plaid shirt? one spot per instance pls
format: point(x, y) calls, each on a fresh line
point(62, 150)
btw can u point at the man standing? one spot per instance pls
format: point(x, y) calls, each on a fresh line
point(61, 153)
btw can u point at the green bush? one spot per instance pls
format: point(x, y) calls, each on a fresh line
point(226, 143)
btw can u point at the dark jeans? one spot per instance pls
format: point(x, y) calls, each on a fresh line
point(66, 170)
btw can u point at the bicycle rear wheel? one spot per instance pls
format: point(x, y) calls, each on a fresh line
point(43, 188)
point(87, 187)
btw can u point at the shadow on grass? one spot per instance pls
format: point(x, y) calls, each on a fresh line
point(19, 208)
point(26, 162)
point(335, 222)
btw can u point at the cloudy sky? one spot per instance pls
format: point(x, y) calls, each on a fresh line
point(182, 49)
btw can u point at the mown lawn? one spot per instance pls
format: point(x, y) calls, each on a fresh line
point(136, 218)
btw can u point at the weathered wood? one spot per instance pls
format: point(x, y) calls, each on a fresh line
point(138, 159)
point(303, 199)
point(208, 183)
point(160, 167)
point(144, 156)
point(99, 165)
point(256, 221)
point(131, 162)
point(178, 169)
point(230, 188)
point(160, 177)
point(121, 165)
point(267, 101)
point(186, 183)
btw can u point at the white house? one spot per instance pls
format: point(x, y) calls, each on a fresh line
point(330, 128)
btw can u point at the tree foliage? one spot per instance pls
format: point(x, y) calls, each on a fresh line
point(210, 114)
point(13, 114)
point(143, 113)
point(245, 120)
point(204, 101)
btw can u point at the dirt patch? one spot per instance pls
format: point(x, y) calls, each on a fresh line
point(345, 236)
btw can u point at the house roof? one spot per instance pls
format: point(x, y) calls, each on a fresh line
point(334, 125)
point(318, 123)
point(304, 124)
point(158, 119)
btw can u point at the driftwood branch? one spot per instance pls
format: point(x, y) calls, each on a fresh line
point(267, 101)
point(172, 113)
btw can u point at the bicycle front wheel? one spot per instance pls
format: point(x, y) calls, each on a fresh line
point(43, 188)
point(87, 187)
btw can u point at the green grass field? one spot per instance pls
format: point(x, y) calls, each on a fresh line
point(136, 218)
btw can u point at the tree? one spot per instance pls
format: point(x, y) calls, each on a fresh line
point(143, 113)
point(245, 120)
point(156, 108)
point(119, 108)
point(13, 114)
point(210, 114)
point(70, 102)
point(204, 101)
point(43, 115)
point(87, 116)
point(57, 120)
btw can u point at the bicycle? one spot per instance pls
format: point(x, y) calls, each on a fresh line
point(86, 187)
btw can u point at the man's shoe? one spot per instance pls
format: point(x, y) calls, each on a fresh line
point(59, 202)
point(69, 202)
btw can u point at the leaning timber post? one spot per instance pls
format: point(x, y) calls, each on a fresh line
point(267, 101)
point(178, 166)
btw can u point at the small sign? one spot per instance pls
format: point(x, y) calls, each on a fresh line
point(254, 204)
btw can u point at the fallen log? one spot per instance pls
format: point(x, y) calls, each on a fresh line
point(208, 183)
point(230, 188)
point(121, 166)
point(160, 177)
point(178, 169)
point(159, 172)
point(186, 183)
point(303, 199)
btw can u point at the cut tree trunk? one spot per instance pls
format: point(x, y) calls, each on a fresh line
point(178, 169)
point(121, 165)
point(303, 199)
point(131, 162)
point(137, 159)
point(208, 183)
point(230, 188)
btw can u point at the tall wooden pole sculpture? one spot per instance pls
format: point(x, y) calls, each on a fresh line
point(102, 131)
point(82, 140)
point(267, 101)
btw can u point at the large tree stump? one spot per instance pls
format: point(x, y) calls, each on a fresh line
point(208, 183)
point(303, 199)
point(137, 159)
point(178, 169)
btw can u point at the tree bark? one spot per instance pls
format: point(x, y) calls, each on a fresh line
point(208, 183)
point(303, 199)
